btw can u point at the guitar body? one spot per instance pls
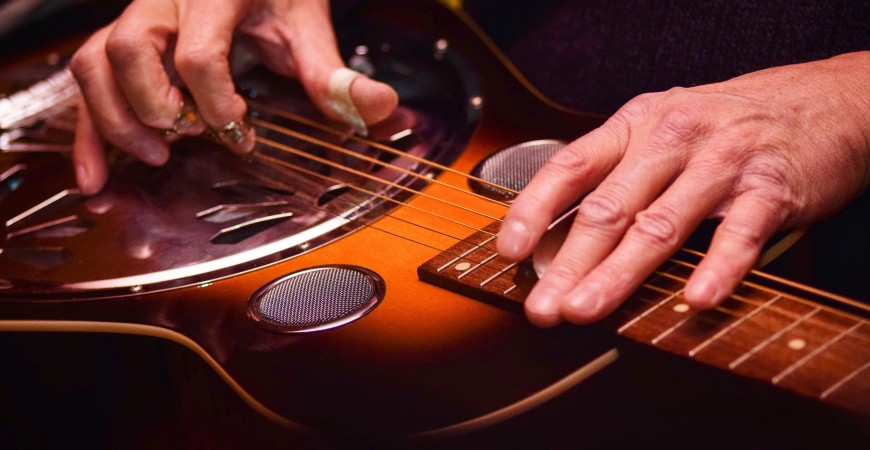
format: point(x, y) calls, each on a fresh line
point(425, 365)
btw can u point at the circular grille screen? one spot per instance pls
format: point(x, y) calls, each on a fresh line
point(316, 296)
point(514, 167)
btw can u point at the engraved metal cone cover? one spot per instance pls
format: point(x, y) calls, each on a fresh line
point(209, 213)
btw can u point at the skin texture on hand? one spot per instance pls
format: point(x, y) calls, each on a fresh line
point(766, 151)
point(131, 73)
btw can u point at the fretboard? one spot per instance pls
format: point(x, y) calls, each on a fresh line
point(769, 330)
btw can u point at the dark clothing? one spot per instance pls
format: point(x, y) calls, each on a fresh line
point(595, 55)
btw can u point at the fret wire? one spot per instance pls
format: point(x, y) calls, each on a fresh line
point(829, 295)
point(730, 326)
point(670, 330)
point(718, 308)
point(508, 290)
point(633, 321)
point(795, 298)
point(695, 316)
point(498, 274)
point(786, 312)
point(772, 338)
point(466, 253)
point(659, 289)
point(844, 380)
point(477, 266)
point(807, 357)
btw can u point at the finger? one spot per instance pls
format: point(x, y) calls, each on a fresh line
point(567, 175)
point(201, 59)
point(656, 234)
point(111, 114)
point(135, 49)
point(602, 220)
point(308, 39)
point(89, 155)
point(735, 247)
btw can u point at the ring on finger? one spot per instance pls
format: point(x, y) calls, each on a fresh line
point(234, 132)
point(186, 119)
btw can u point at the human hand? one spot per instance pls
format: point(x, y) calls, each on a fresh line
point(769, 150)
point(132, 71)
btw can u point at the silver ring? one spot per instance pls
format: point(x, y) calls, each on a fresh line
point(234, 132)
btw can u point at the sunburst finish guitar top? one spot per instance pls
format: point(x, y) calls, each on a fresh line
point(177, 252)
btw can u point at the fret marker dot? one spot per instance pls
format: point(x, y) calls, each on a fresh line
point(681, 307)
point(797, 344)
point(463, 266)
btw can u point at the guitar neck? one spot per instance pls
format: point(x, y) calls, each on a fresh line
point(778, 332)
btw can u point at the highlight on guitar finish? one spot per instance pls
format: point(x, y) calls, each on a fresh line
point(398, 222)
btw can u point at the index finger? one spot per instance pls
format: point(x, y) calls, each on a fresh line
point(570, 173)
point(135, 49)
point(201, 58)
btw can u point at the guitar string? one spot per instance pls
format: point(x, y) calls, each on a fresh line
point(704, 315)
point(393, 151)
point(785, 313)
point(337, 132)
point(312, 173)
point(375, 161)
point(295, 151)
point(736, 298)
point(782, 311)
point(357, 155)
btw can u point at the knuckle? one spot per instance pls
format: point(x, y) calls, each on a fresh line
point(742, 232)
point(603, 211)
point(657, 228)
point(570, 161)
point(680, 124)
point(564, 276)
point(82, 64)
point(613, 274)
point(121, 48)
point(197, 59)
point(638, 107)
point(767, 179)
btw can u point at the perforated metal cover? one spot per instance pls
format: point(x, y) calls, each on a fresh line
point(316, 299)
point(513, 167)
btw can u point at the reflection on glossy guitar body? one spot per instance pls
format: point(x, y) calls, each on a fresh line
point(179, 252)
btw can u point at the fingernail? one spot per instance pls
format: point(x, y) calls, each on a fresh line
point(83, 179)
point(703, 290)
point(150, 152)
point(374, 100)
point(544, 303)
point(585, 303)
point(513, 238)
